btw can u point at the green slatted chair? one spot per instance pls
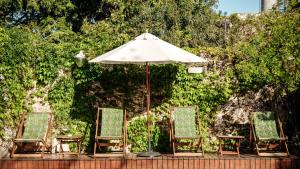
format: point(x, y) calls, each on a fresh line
point(183, 127)
point(267, 140)
point(110, 131)
point(33, 131)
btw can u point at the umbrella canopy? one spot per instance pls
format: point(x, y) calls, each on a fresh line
point(146, 49)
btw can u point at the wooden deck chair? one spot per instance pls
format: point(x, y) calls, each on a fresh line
point(33, 133)
point(110, 131)
point(183, 127)
point(266, 138)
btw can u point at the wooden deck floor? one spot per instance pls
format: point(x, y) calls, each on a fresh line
point(210, 161)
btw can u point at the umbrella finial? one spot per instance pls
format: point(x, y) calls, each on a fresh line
point(145, 34)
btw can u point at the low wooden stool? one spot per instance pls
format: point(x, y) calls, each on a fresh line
point(237, 140)
point(69, 139)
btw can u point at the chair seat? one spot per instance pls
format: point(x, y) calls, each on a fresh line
point(272, 139)
point(108, 137)
point(187, 137)
point(27, 140)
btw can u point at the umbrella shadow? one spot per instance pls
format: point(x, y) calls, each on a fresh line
point(119, 86)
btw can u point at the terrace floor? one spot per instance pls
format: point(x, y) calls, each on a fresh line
point(166, 161)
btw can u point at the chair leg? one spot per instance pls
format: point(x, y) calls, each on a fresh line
point(257, 148)
point(286, 148)
point(200, 146)
point(95, 146)
point(14, 148)
point(173, 145)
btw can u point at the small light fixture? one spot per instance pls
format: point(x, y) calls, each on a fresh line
point(80, 58)
point(195, 69)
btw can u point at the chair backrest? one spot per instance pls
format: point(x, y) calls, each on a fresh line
point(265, 125)
point(184, 122)
point(112, 121)
point(36, 126)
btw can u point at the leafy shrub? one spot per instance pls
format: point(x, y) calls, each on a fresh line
point(138, 133)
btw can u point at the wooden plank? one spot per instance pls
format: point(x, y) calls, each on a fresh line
point(221, 163)
point(123, 164)
point(128, 163)
point(149, 163)
point(181, 163)
point(139, 163)
point(51, 164)
point(8, 164)
point(200, 163)
point(45, 164)
point(246, 163)
point(185, 163)
point(154, 163)
point(273, 154)
point(27, 156)
point(19, 164)
point(81, 164)
point(257, 163)
point(103, 155)
point(267, 163)
point(133, 164)
point(66, 163)
point(195, 163)
point(277, 164)
point(108, 164)
point(237, 163)
point(216, 163)
point(240, 163)
point(252, 163)
point(272, 163)
point(98, 163)
point(159, 164)
point(70, 163)
point(262, 163)
point(188, 155)
point(286, 163)
point(211, 163)
point(297, 163)
point(92, 163)
point(170, 163)
point(227, 164)
point(40, 164)
point(231, 163)
point(117, 164)
point(144, 164)
point(3, 163)
point(175, 163)
point(55, 164)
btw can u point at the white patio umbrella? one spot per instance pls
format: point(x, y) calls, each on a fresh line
point(147, 49)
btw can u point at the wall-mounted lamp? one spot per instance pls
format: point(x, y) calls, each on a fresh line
point(80, 58)
point(195, 69)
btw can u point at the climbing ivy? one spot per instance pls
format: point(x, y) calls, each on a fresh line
point(38, 42)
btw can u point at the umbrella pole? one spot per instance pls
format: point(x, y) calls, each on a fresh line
point(148, 153)
point(148, 105)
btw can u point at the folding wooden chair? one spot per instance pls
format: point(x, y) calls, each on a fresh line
point(34, 132)
point(266, 138)
point(110, 131)
point(183, 127)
